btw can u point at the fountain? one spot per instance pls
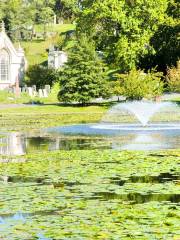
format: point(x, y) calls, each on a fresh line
point(137, 125)
point(142, 110)
point(143, 125)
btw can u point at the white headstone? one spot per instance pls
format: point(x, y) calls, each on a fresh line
point(30, 91)
point(48, 89)
point(45, 93)
point(41, 93)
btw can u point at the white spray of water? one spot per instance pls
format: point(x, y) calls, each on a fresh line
point(142, 110)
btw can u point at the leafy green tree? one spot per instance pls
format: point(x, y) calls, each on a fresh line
point(2, 9)
point(45, 16)
point(122, 28)
point(84, 76)
point(19, 17)
point(166, 40)
point(136, 84)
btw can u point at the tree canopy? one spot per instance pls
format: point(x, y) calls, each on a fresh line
point(123, 28)
point(141, 34)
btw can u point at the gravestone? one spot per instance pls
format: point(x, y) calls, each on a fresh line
point(34, 88)
point(23, 90)
point(48, 89)
point(40, 93)
point(44, 93)
point(30, 91)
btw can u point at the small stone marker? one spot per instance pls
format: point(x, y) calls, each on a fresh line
point(34, 88)
point(41, 93)
point(48, 89)
point(23, 90)
point(30, 91)
point(45, 93)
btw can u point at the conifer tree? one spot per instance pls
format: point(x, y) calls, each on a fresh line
point(84, 76)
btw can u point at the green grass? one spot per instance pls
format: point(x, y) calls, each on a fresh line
point(35, 117)
point(35, 50)
point(59, 28)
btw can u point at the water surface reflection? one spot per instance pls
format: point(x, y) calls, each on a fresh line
point(16, 143)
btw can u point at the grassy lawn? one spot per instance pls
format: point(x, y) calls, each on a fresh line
point(41, 116)
point(34, 117)
point(59, 28)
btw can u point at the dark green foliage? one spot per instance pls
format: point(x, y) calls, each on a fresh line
point(166, 45)
point(84, 76)
point(40, 76)
point(66, 9)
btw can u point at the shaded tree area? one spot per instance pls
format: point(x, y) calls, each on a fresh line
point(165, 41)
point(67, 9)
point(40, 76)
point(123, 29)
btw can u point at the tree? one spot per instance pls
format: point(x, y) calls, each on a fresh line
point(2, 9)
point(166, 40)
point(66, 9)
point(19, 17)
point(45, 16)
point(84, 76)
point(122, 28)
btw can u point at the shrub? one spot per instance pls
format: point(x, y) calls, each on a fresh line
point(40, 76)
point(173, 78)
point(137, 84)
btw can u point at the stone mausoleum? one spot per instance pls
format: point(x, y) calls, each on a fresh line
point(12, 62)
point(56, 58)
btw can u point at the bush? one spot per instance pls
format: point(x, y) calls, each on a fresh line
point(173, 78)
point(40, 76)
point(137, 84)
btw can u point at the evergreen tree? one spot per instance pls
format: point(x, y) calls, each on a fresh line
point(84, 76)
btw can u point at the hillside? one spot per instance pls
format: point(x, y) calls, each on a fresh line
point(36, 49)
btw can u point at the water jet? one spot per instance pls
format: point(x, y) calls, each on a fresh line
point(140, 125)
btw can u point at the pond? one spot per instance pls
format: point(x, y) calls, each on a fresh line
point(91, 136)
point(92, 186)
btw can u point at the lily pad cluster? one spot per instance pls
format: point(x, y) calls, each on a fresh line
point(91, 194)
